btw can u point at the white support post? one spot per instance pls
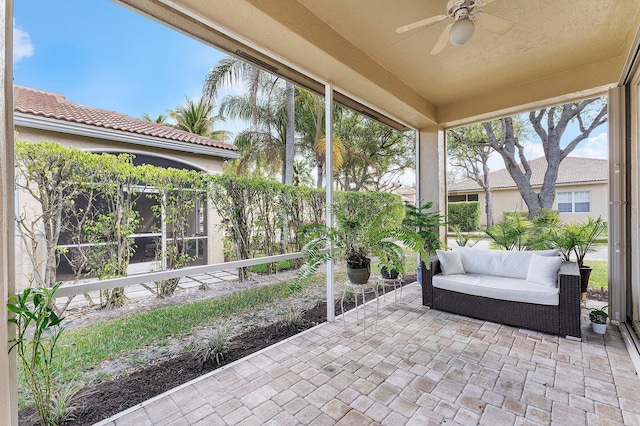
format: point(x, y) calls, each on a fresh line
point(328, 99)
point(8, 370)
point(416, 158)
point(163, 227)
point(617, 205)
point(416, 198)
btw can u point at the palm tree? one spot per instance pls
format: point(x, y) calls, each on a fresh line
point(310, 124)
point(301, 173)
point(160, 119)
point(264, 106)
point(261, 146)
point(198, 118)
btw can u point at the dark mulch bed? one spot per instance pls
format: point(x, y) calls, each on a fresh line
point(105, 399)
point(600, 293)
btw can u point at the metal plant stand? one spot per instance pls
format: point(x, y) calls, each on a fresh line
point(361, 289)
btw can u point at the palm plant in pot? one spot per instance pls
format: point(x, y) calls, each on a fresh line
point(578, 238)
point(598, 317)
point(356, 238)
point(427, 225)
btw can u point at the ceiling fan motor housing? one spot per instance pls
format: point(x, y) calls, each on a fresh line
point(460, 8)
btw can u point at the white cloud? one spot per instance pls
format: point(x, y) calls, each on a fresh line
point(22, 46)
point(594, 147)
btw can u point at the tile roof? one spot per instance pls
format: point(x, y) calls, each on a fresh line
point(51, 105)
point(572, 170)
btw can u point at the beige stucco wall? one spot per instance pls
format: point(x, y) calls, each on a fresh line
point(25, 202)
point(509, 200)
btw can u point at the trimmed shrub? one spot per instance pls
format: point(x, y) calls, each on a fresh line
point(464, 215)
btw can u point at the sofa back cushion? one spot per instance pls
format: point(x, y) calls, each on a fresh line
point(450, 262)
point(501, 263)
point(544, 270)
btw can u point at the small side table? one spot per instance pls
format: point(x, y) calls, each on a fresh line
point(357, 289)
point(391, 282)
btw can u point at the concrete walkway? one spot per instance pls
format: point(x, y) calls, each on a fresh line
point(148, 289)
point(421, 367)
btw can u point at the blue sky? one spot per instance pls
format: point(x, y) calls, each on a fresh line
point(100, 54)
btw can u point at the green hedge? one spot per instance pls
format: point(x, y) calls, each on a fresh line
point(465, 215)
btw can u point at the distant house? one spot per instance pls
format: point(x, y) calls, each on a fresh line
point(40, 116)
point(581, 189)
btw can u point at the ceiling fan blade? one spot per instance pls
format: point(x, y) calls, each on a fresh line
point(493, 23)
point(442, 41)
point(422, 23)
point(483, 2)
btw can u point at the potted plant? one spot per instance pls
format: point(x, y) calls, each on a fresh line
point(577, 238)
point(598, 317)
point(427, 225)
point(356, 238)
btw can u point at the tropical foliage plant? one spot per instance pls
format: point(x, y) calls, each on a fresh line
point(38, 330)
point(518, 232)
point(359, 235)
point(598, 315)
point(426, 222)
point(578, 238)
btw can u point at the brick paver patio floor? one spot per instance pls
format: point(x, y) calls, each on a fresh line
point(420, 367)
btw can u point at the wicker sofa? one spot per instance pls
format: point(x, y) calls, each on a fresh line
point(556, 310)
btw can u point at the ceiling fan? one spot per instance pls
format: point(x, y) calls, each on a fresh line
point(462, 28)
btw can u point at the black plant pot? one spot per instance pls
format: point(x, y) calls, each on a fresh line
point(585, 273)
point(389, 275)
point(359, 274)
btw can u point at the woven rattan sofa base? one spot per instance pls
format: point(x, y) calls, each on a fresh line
point(562, 320)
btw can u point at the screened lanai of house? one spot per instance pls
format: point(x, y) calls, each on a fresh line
point(553, 52)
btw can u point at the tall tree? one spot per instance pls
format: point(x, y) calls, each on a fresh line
point(468, 149)
point(310, 109)
point(261, 147)
point(267, 101)
point(290, 149)
point(550, 125)
point(198, 118)
point(375, 157)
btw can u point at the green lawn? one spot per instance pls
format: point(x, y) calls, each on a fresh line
point(599, 275)
point(280, 266)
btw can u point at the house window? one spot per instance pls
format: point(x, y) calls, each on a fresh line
point(465, 197)
point(574, 202)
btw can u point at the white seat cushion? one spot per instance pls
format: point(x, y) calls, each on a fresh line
point(501, 288)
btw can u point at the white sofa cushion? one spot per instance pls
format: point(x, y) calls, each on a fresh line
point(450, 262)
point(544, 270)
point(479, 261)
point(502, 263)
point(501, 288)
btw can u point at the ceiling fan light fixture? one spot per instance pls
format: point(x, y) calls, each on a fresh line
point(461, 31)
